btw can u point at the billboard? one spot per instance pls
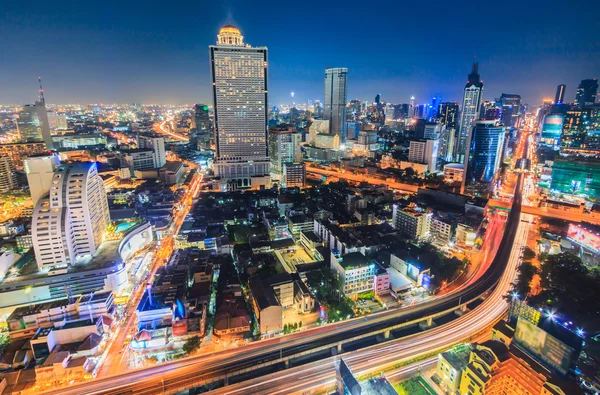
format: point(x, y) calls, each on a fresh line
point(584, 237)
point(547, 349)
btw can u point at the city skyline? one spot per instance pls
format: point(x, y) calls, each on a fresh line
point(141, 55)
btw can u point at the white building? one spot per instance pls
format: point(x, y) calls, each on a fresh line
point(157, 145)
point(8, 176)
point(138, 159)
point(454, 172)
point(70, 222)
point(425, 152)
point(465, 236)
point(239, 82)
point(469, 110)
point(412, 222)
point(40, 171)
point(441, 230)
point(284, 145)
point(355, 272)
point(336, 96)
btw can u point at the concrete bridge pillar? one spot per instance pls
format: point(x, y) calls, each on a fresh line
point(287, 363)
point(339, 348)
point(386, 334)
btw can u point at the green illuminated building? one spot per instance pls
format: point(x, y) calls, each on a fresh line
point(576, 176)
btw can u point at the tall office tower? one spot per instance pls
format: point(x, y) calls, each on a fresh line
point(560, 94)
point(334, 109)
point(70, 222)
point(40, 171)
point(469, 111)
point(483, 157)
point(240, 101)
point(433, 108)
point(447, 140)
point(318, 112)
point(511, 109)
point(284, 145)
point(447, 114)
point(33, 124)
point(586, 93)
point(157, 145)
point(8, 176)
point(411, 107)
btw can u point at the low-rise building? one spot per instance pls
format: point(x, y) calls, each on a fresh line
point(355, 272)
point(412, 221)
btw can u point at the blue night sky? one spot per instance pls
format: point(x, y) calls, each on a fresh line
point(156, 52)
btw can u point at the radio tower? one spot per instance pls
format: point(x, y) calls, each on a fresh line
point(41, 92)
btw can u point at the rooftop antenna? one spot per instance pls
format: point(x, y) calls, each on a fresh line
point(41, 91)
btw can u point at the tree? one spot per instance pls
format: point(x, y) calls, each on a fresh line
point(523, 284)
point(561, 272)
point(192, 344)
point(528, 254)
point(300, 324)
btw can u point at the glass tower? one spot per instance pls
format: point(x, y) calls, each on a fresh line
point(336, 86)
point(484, 154)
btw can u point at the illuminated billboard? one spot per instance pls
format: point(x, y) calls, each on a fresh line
point(547, 349)
point(584, 237)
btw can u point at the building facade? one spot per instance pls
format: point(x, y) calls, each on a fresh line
point(17, 152)
point(484, 155)
point(33, 124)
point(336, 86)
point(70, 222)
point(40, 171)
point(284, 145)
point(157, 145)
point(8, 176)
point(469, 111)
point(239, 87)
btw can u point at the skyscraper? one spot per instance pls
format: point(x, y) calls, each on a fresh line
point(511, 109)
point(483, 157)
point(239, 82)
point(447, 113)
point(470, 109)
point(70, 222)
point(560, 94)
point(33, 124)
point(586, 93)
point(334, 107)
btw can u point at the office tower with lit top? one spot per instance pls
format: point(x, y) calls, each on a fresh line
point(470, 110)
point(33, 124)
point(560, 94)
point(334, 106)
point(239, 87)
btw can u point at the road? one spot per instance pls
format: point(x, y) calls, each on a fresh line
point(407, 188)
point(115, 358)
point(320, 376)
point(167, 129)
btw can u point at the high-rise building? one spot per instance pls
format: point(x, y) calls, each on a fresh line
point(239, 83)
point(8, 176)
point(552, 130)
point(470, 110)
point(202, 132)
point(334, 110)
point(575, 128)
point(483, 157)
point(433, 130)
point(586, 93)
point(560, 94)
point(40, 171)
point(157, 145)
point(33, 124)
point(284, 145)
point(201, 117)
point(447, 114)
point(425, 152)
point(511, 109)
point(70, 222)
point(57, 121)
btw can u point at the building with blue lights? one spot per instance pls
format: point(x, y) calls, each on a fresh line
point(484, 154)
